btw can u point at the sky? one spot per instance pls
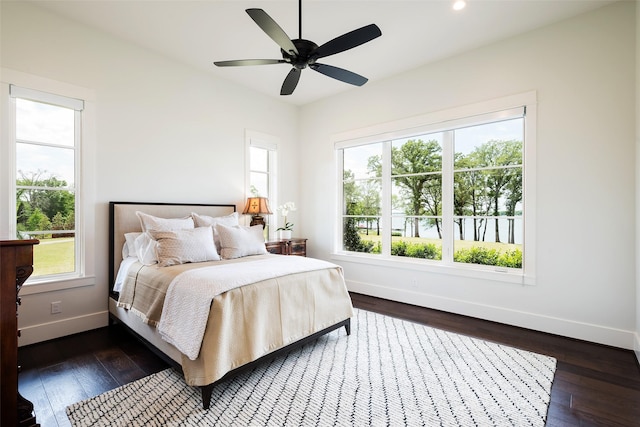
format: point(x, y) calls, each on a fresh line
point(49, 131)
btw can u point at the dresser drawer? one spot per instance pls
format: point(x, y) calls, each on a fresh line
point(293, 246)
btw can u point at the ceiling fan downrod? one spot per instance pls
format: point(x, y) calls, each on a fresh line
point(300, 19)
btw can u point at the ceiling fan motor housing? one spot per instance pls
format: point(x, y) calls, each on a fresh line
point(305, 57)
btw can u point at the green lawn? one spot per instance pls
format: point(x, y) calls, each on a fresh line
point(54, 256)
point(459, 244)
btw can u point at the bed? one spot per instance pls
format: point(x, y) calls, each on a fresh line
point(214, 318)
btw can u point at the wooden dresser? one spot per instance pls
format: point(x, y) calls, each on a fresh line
point(15, 267)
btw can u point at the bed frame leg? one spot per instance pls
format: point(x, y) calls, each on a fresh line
point(347, 326)
point(207, 390)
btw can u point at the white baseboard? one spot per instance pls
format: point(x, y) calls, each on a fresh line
point(594, 333)
point(48, 331)
point(558, 326)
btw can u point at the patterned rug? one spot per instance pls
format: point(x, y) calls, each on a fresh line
point(389, 372)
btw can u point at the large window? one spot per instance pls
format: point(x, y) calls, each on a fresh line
point(448, 194)
point(47, 144)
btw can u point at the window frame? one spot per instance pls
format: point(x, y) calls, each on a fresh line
point(450, 119)
point(17, 92)
point(22, 85)
point(269, 143)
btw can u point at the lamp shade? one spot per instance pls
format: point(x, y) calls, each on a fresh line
point(257, 206)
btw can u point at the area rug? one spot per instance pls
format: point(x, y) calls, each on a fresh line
point(389, 372)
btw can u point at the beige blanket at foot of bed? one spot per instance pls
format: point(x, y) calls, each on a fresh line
point(249, 322)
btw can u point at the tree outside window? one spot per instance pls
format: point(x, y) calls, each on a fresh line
point(460, 190)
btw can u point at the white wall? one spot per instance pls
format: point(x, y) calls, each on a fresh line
point(164, 132)
point(582, 70)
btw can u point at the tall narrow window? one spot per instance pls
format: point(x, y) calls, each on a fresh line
point(362, 185)
point(488, 165)
point(262, 173)
point(47, 145)
point(416, 196)
point(259, 172)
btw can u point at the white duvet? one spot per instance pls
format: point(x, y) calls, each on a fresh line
point(189, 296)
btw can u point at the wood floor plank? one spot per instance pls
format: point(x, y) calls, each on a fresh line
point(559, 415)
point(605, 410)
point(631, 382)
point(42, 354)
point(62, 389)
point(31, 387)
point(583, 383)
point(599, 399)
point(121, 367)
point(139, 354)
point(94, 378)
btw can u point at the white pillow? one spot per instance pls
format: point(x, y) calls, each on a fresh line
point(150, 222)
point(204, 221)
point(129, 248)
point(239, 241)
point(182, 246)
point(145, 249)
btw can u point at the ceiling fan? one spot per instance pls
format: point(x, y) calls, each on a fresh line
point(301, 53)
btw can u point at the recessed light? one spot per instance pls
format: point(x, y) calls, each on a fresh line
point(459, 5)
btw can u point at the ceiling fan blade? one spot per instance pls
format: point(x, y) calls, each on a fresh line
point(272, 29)
point(242, 62)
point(290, 82)
point(340, 74)
point(348, 41)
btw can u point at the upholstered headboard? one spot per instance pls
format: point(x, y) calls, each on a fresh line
point(123, 219)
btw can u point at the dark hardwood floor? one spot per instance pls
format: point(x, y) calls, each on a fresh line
point(594, 385)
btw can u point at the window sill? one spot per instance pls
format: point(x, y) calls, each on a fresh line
point(50, 285)
point(498, 274)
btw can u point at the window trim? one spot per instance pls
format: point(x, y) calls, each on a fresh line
point(270, 143)
point(77, 105)
point(52, 91)
point(439, 121)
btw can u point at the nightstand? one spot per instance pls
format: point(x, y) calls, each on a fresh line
point(293, 246)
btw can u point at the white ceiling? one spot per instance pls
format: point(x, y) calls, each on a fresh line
point(414, 32)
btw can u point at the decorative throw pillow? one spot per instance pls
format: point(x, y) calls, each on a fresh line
point(239, 241)
point(205, 220)
point(150, 222)
point(182, 246)
point(145, 249)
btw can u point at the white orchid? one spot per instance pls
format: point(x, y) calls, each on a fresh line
point(286, 208)
point(284, 211)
